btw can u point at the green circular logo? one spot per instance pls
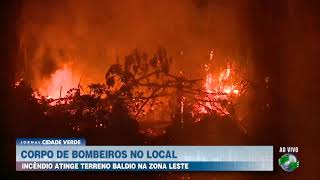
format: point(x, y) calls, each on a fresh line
point(288, 162)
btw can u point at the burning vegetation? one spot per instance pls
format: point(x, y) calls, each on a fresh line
point(141, 94)
point(159, 97)
point(222, 89)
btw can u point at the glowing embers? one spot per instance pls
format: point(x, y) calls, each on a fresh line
point(60, 82)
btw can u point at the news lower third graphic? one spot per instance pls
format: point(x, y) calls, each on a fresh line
point(72, 154)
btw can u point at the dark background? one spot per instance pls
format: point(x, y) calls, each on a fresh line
point(284, 36)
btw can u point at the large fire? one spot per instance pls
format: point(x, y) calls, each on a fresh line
point(60, 82)
point(156, 97)
point(221, 88)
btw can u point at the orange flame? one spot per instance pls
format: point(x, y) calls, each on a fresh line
point(60, 82)
point(218, 87)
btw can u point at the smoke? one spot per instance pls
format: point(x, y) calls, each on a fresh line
point(89, 35)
